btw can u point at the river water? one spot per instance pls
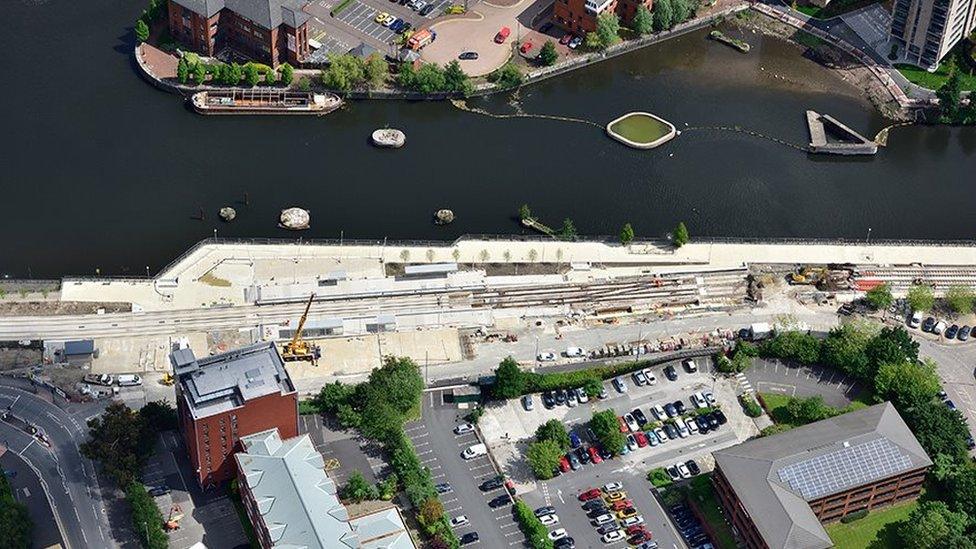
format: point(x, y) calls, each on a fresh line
point(100, 170)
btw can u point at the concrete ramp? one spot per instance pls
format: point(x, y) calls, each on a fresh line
point(845, 140)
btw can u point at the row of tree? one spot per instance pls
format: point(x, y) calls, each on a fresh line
point(232, 74)
point(666, 14)
point(951, 108)
point(15, 522)
point(347, 72)
point(432, 78)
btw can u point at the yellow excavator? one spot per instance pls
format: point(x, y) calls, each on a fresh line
point(298, 348)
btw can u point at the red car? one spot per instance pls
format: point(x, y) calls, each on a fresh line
point(587, 495)
point(502, 35)
point(641, 438)
point(595, 455)
point(526, 46)
point(623, 424)
point(639, 538)
point(564, 464)
point(636, 529)
point(566, 38)
point(622, 504)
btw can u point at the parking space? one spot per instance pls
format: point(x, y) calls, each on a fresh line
point(773, 376)
point(440, 448)
point(344, 451)
point(362, 17)
point(871, 24)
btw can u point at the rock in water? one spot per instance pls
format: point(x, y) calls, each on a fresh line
point(227, 213)
point(388, 137)
point(443, 217)
point(295, 219)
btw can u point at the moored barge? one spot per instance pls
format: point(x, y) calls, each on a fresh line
point(263, 101)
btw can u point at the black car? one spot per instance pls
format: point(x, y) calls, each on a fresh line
point(951, 332)
point(703, 425)
point(500, 501)
point(443, 488)
point(673, 473)
point(491, 484)
point(468, 56)
point(560, 397)
point(670, 410)
point(564, 543)
point(671, 430)
point(964, 333)
point(583, 455)
point(548, 400)
point(970, 443)
point(470, 537)
point(604, 453)
point(722, 420)
point(639, 416)
point(427, 9)
point(607, 528)
point(670, 373)
point(594, 504)
point(693, 467)
point(545, 28)
point(591, 435)
point(597, 511)
point(543, 511)
point(744, 334)
point(712, 420)
point(157, 491)
point(679, 406)
point(928, 324)
point(407, 26)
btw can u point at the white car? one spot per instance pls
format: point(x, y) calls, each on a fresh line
point(575, 352)
point(699, 401)
point(690, 365)
point(571, 399)
point(613, 537)
point(620, 384)
point(650, 376)
point(603, 519)
point(575, 42)
point(549, 520)
point(558, 534)
point(459, 521)
point(661, 435)
point(463, 429)
point(692, 426)
point(915, 320)
point(631, 423)
point(683, 470)
point(630, 521)
point(682, 430)
point(582, 396)
point(612, 487)
point(632, 443)
point(639, 378)
point(939, 327)
point(709, 397)
point(546, 357)
point(659, 412)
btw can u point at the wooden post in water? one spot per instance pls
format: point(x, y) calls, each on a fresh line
point(247, 202)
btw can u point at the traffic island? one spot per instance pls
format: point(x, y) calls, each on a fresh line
point(641, 130)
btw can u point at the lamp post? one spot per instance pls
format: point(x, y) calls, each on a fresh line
point(868, 239)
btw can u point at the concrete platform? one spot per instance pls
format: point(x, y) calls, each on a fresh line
point(853, 143)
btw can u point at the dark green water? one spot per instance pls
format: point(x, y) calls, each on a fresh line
point(100, 169)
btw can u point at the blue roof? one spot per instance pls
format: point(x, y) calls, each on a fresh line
point(80, 347)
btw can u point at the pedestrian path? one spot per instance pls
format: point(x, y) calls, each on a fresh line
point(743, 382)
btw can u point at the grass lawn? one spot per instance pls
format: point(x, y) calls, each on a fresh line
point(704, 497)
point(934, 80)
point(863, 533)
point(776, 406)
point(834, 8)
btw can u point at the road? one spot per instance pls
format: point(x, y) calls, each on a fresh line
point(27, 489)
point(67, 477)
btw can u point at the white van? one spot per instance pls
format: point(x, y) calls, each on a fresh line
point(128, 380)
point(474, 451)
point(574, 352)
point(690, 366)
point(916, 320)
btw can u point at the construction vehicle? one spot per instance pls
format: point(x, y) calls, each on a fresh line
point(175, 515)
point(168, 379)
point(807, 275)
point(298, 348)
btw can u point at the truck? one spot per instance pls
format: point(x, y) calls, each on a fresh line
point(760, 330)
point(100, 379)
point(474, 451)
point(421, 38)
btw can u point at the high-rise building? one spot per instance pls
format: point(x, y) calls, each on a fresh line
point(225, 397)
point(925, 30)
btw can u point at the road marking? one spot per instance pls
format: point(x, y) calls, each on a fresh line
point(29, 444)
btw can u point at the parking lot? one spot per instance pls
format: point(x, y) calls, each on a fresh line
point(344, 451)
point(439, 448)
point(773, 376)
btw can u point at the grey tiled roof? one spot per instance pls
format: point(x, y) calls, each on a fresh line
point(267, 14)
point(778, 508)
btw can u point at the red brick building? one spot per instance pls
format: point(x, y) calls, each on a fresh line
point(267, 31)
point(778, 490)
point(579, 16)
point(224, 397)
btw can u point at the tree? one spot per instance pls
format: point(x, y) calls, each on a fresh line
point(397, 382)
point(119, 440)
point(235, 74)
point(950, 94)
point(182, 70)
point(548, 54)
point(592, 41)
point(431, 511)
point(921, 298)
point(287, 74)
point(508, 76)
point(535, 532)
point(333, 395)
point(270, 78)
point(555, 431)
point(808, 410)
point(568, 230)
point(15, 521)
point(544, 458)
point(960, 299)
point(792, 345)
point(608, 28)
point(906, 384)
point(199, 74)
point(524, 212)
point(880, 297)
point(142, 31)
point(159, 415)
point(429, 78)
point(663, 16)
point(682, 10)
point(938, 429)
point(357, 489)
point(456, 80)
point(304, 84)
point(643, 21)
point(607, 431)
point(509, 379)
point(930, 525)
point(375, 70)
point(844, 349)
point(891, 345)
point(680, 236)
point(344, 73)
point(147, 521)
point(626, 234)
point(251, 74)
point(962, 490)
point(593, 387)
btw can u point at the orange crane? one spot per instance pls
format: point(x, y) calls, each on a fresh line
point(175, 515)
point(298, 348)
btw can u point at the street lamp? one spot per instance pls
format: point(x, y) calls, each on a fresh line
point(868, 239)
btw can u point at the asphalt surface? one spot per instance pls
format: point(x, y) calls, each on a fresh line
point(68, 479)
point(27, 489)
point(773, 376)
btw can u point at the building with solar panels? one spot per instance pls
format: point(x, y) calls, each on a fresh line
point(778, 490)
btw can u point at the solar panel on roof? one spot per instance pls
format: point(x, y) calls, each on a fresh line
point(845, 468)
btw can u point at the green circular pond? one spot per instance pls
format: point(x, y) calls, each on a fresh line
point(641, 130)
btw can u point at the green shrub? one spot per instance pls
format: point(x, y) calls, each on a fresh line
point(338, 9)
point(535, 532)
point(659, 478)
point(147, 521)
point(856, 515)
point(792, 345)
point(750, 405)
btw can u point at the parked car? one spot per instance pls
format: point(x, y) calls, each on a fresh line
point(549, 520)
point(661, 435)
point(672, 431)
point(631, 423)
point(613, 487)
point(527, 403)
point(682, 428)
point(460, 520)
point(691, 425)
point(670, 410)
point(595, 455)
point(722, 420)
point(683, 470)
point(620, 385)
point(575, 42)
point(639, 378)
point(559, 533)
point(571, 400)
point(426, 9)
point(574, 461)
point(690, 366)
point(632, 442)
point(651, 379)
point(500, 501)
point(613, 537)
point(693, 467)
point(491, 484)
point(564, 464)
point(698, 400)
point(659, 412)
point(670, 373)
point(964, 333)
point(381, 17)
point(594, 505)
point(396, 24)
point(574, 440)
point(587, 495)
point(443, 488)
point(583, 455)
point(915, 320)
point(581, 395)
point(703, 425)
point(575, 352)
point(546, 357)
point(463, 429)
point(469, 538)
point(160, 490)
point(951, 331)
point(566, 38)
point(679, 406)
point(630, 521)
point(565, 543)
point(939, 327)
point(474, 451)
point(560, 397)
point(468, 56)
point(928, 324)
point(709, 397)
point(548, 400)
point(603, 519)
point(604, 453)
point(607, 528)
point(525, 47)
point(639, 538)
point(626, 512)
point(639, 416)
point(712, 420)
point(547, 510)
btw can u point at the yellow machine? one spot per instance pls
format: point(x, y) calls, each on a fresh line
point(298, 348)
point(175, 515)
point(168, 379)
point(807, 275)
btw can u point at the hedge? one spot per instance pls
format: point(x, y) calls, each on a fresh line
point(338, 9)
point(147, 521)
point(535, 532)
point(750, 406)
point(659, 477)
point(856, 515)
point(539, 382)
